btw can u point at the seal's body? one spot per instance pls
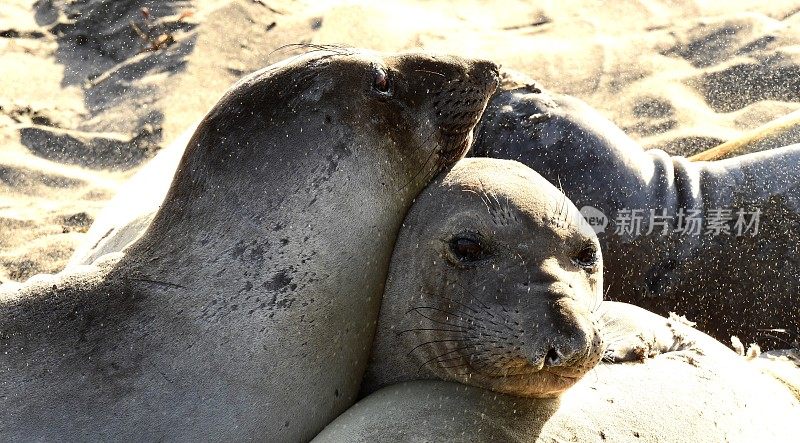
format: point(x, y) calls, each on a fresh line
point(717, 241)
point(613, 403)
point(246, 310)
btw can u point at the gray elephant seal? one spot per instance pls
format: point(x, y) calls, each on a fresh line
point(613, 403)
point(247, 308)
point(717, 241)
point(494, 284)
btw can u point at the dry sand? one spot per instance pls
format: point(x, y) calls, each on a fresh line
point(89, 89)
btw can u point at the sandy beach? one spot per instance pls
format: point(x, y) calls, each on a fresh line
point(90, 90)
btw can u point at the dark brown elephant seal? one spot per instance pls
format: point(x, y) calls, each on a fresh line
point(717, 241)
point(494, 282)
point(246, 310)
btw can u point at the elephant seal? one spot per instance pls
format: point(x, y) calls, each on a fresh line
point(717, 241)
point(613, 403)
point(494, 284)
point(247, 308)
point(494, 281)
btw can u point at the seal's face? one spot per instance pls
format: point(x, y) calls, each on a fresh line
point(505, 277)
point(425, 106)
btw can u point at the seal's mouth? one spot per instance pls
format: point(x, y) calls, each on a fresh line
point(524, 376)
point(527, 370)
point(455, 145)
point(459, 107)
point(544, 383)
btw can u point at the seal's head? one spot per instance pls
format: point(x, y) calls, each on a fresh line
point(412, 113)
point(563, 139)
point(337, 121)
point(524, 120)
point(494, 282)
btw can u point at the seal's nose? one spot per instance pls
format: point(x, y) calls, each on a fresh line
point(564, 355)
point(486, 72)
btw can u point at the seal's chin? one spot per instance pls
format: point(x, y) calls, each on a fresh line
point(455, 145)
point(523, 377)
point(545, 383)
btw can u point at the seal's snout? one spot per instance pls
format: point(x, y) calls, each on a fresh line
point(487, 70)
point(460, 103)
point(565, 355)
point(449, 94)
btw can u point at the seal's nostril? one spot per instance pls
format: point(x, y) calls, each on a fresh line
point(553, 358)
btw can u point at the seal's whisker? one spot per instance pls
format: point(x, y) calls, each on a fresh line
point(467, 291)
point(485, 203)
point(429, 329)
point(458, 357)
point(775, 337)
point(599, 302)
point(471, 319)
point(493, 368)
point(601, 310)
point(563, 204)
point(500, 320)
point(429, 72)
point(459, 303)
point(336, 49)
point(613, 340)
point(482, 368)
point(462, 365)
point(440, 360)
point(426, 142)
point(422, 168)
point(437, 357)
point(594, 371)
point(438, 341)
point(485, 307)
point(434, 320)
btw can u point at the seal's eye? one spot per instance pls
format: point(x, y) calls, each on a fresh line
point(587, 257)
point(381, 81)
point(466, 249)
